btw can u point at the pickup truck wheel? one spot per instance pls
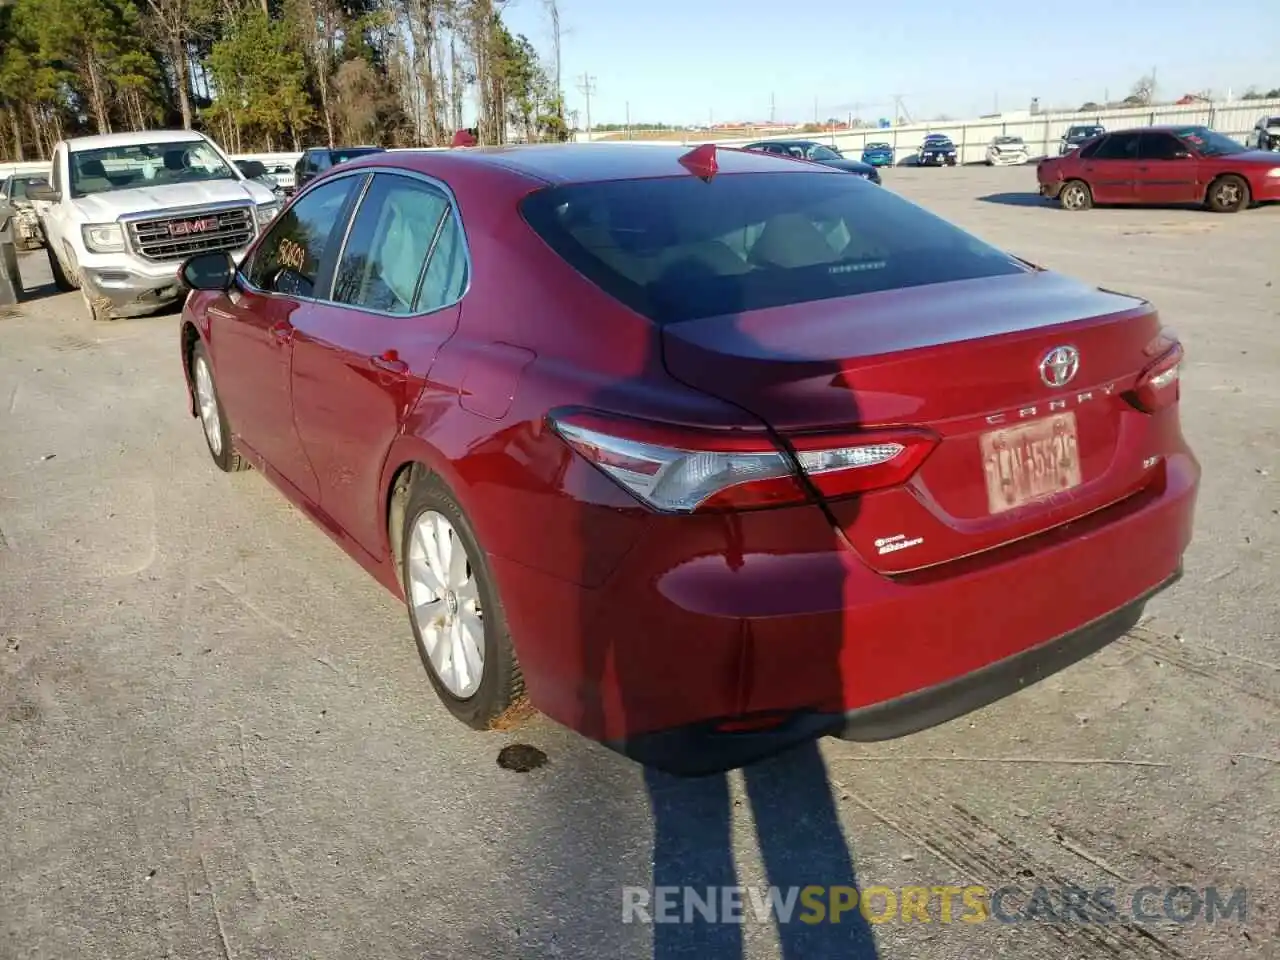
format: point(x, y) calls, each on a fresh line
point(99, 307)
point(61, 279)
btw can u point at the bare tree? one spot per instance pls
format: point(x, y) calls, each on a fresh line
point(1144, 90)
point(173, 21)
point(553, 12)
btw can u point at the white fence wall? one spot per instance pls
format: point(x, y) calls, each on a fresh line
point(1041, 131)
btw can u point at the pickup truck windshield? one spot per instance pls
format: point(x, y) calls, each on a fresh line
point(145, 165)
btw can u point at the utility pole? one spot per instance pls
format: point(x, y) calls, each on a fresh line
point(587, 86)
point(815, 111)
point(628, 119)
point(773, 109)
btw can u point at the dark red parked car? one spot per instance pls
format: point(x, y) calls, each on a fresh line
point(710, 453)
point(1162, 165)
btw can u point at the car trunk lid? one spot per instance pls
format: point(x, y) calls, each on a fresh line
point(962, 360)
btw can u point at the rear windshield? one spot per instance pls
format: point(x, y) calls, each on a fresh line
point(675, 248)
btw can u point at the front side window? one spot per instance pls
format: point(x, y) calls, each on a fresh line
point(676, 248)
point(288, 259)
point(819, 152)
point(145, 165)
point(392, 234)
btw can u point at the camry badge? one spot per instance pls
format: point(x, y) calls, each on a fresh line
point(1059, 366)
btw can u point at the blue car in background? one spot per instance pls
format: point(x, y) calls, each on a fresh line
point(936, 151)
point(878, 154)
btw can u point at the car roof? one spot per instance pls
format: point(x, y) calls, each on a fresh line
point(137, 138)
point(563, 163)
point(1164, 128)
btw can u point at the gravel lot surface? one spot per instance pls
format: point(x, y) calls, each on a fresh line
point(217, 741)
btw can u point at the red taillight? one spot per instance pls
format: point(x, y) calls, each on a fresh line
point(685, 469)
point(1158, 385)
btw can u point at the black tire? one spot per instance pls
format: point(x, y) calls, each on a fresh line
point(501, 682)
point(1076, 196)
point(224, 453)
point(64, 281)
point(1228, 194)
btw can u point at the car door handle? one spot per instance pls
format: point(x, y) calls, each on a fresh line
point(390, 362)
point(282, 332)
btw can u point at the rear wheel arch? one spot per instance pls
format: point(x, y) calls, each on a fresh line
point(190, 337)
point(410, 461)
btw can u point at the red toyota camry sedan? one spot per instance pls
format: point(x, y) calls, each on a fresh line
point(706, 452)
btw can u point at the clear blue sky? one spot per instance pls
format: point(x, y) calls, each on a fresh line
point(682, 61)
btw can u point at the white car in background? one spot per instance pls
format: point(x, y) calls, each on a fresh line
point(1266, 134)
point(1005, 151)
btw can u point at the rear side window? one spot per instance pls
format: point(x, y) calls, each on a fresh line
point(676, 248)
point(390, 238)
point(1118, 146)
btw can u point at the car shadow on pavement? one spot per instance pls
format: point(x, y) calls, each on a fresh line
point(1016, 199)
point(801, 844)
point(653, 679)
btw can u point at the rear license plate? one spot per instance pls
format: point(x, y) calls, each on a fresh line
point(1030, 461)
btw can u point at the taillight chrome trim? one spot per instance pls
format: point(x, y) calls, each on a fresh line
point(1158, 386)
point(735, 470)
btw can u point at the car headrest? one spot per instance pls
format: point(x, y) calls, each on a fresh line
point(791, 240)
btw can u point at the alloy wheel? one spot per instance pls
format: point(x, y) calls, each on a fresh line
point(1227, 194)
point(444, 601)
point(207, 400)
point(1073, 197)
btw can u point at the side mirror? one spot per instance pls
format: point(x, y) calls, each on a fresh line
point(44, 193)
point(209, 271)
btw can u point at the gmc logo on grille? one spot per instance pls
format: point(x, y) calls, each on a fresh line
point(183, 227)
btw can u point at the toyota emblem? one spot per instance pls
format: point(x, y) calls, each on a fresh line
point(1059, 366)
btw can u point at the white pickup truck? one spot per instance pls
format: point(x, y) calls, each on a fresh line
point(122, 211)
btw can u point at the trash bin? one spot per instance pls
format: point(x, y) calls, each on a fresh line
point(10, 279)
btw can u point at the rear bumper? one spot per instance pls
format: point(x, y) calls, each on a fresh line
point(1051, 190)
point(714, 619)
point(1268, 190)
point(701, 749)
